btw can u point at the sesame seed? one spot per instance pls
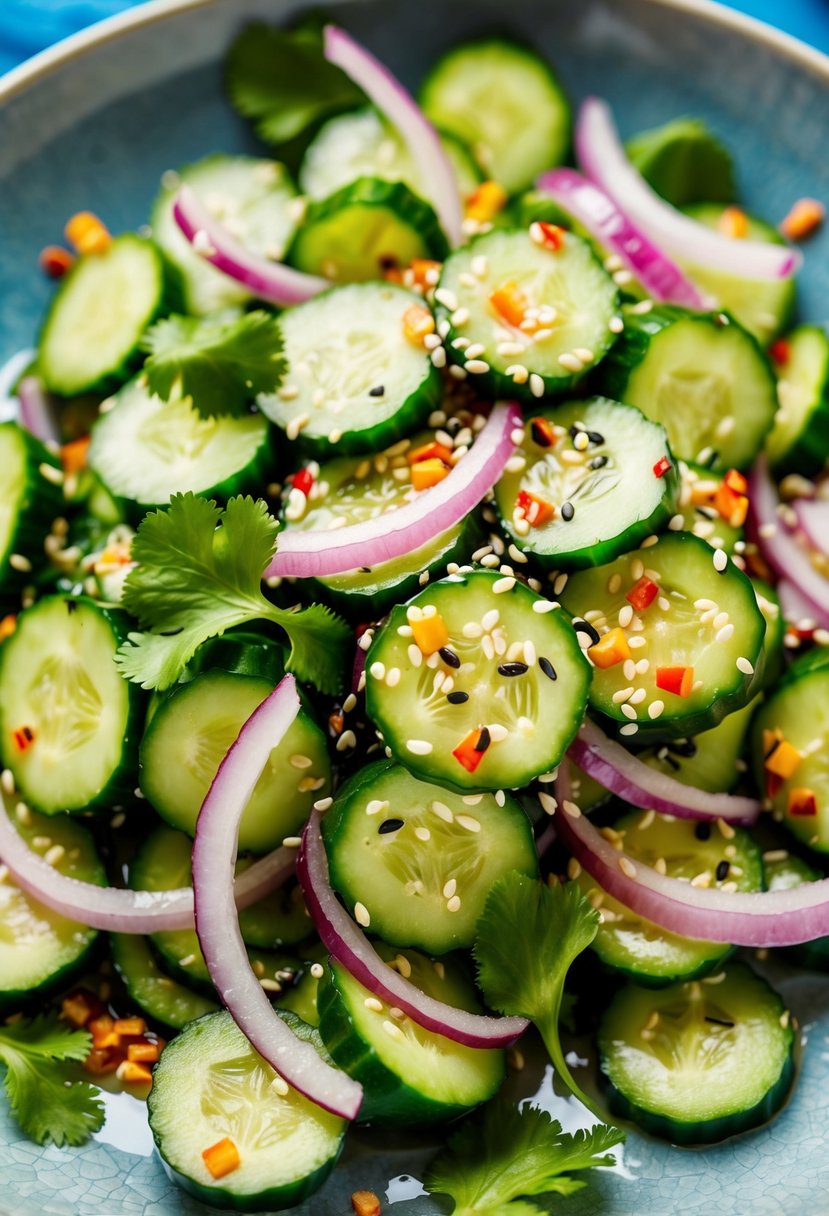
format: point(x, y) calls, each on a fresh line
point(393, 1031)
point(560, 583)
point(629, 669)
point(720, 560)
point(377, 671)
point(55, 854)
point(630, 728)
point(547, 802)
point(585, 355)
point(745, 666)
point(622, 694)
point(625, 616)
point(449, 888)
point(628, 709)
point(639, 696)
point(18, 562)
point(361, 915)
point(419, 747)
point(570, 363)
point(773, 855)
point(615, 325)
point(503, 584)
point(571, 809)
point(438, 357)
point(322, 804)
point(476, 367)
point(376, 806)
point(536, 385)
point(544, 606)
point(469, 822)
point(725, 634)
point(415, 655)
point(347, 739)
point(453, 904)
point(423, 834)
point(726, 829)
point(573, 869)
point(23, 814)
point(479, 266)
point(460, 316)
point(656, 709)
point(627, 867)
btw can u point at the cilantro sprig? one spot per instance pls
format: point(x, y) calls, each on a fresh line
point(528, 937)
point(199, 573)
point(46, 1099)
point(221, 363)
point(502, 1154)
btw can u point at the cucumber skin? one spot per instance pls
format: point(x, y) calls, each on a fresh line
point(810, 449)
point(120, 945)
point(40, 503)
point(14, 999)
point(645, 979)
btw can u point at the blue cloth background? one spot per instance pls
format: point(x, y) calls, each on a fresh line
point(26, 26)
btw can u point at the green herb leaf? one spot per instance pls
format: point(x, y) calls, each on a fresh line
point(280, 79)
point(528, 936)
point(199, 573)
point(501, 1153)
point(220, 363)
point(46, 1099)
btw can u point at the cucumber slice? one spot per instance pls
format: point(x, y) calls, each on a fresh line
point(30, 498)
point(679, 632)
point(339, 347)
point(796, 715)
point(774, 649)
point(564, 296)
point(301, 999)
point(365, 229)
point(162, 999)
point(209, 1085)
point(522, 671)
point(278, 920)
point(505, 101)
point(91, 333)
point(697, 1062)
point(361, 144)
point(145, 449)
point(39, 949)
point(783, 872)
point(68, 721)
point(799, 440)
point(691, 851)
point(409, 1075)
point(762, 306)
point(684, 162)
point(702, 376)
point(711, 760)
point(253, 197)
point(420, 859)
point(620, 482)
point(698, 497)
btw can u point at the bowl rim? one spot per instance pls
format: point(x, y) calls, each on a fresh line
point(152, 12)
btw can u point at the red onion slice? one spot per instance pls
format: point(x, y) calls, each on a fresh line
point(602, 156)
point(347, 943)
point(271, 281)
point(630, 778)
point(797, 610)
point(393, 101)
point(813, 518)
point(217, 924)
point(306, 554)
point(122, 911)
point(38, 412)
point(661, 278)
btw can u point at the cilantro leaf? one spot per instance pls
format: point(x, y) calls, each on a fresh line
point(46, 1100)
point(281, 80)
point(221, 363)
point(528, 936)
point(501, 1153)
point(199, 573)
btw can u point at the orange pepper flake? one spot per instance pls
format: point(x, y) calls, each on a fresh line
point(221, 1158)
point(661, 467)
point(509, 302)
point(783, 760)
point(537, 511)
point(143, 1053)
point(472, 749)
point(365, 1203)
point(730, 498)
point(23, 737)
point(805, 217)
point(676, 680)
point(80, 1007)
point(542, 433)
point(611, 649)
point(430, 451)
point(87, 233)
point(55, 261)
point(130, 1073)
point(132, 1025)
point(485, 202)
point(7, 626)
point(73, 456)
point(780, 352)
point(549, 236)
point(642, 594)
point(733, 222)
point(802, 802)
point(427, 473)
point(430, 633)
point(418, 322)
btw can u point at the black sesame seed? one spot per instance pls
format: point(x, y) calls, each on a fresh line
point(453, 426)
point(365, 569)
point(71, 606)
point(586, 628)
point(171, 633)
point(567, 511)
point(598, 462)
point(573, 431)
point(719, 1022)
point(457, 698)
point(484, 740)
point(449, 657)
point(722, 871)
point(379, 390)
point(703, 831)
point(707, 512)
point(683, 747)
point(548, 669)
point(390, 825)
point(512, 669)
point(595, 438)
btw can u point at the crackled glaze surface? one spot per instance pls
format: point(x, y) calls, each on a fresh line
point(98, 131)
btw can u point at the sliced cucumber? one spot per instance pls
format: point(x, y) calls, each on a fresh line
point(419, 858)
point(700, 498)
point(497, 704)
point(799, 441)
point(684, 162)
point(704, 621)
point(277, 920)
point(145, 449)
point(339, 347)
point(620, 483)
point(365, 229)
point(39, 949)
point(91, 333)
point(29, 501)
point(161, 998)
point(710, 760)
point(252, 197)
point(702, 376)
point(68, 721)
point(774, 649)
point(505, 101)
point(361, 144)
point(689, 851)
point(409, 1075)
point(697, 1062)
point(210, 1085)
point(562, 297)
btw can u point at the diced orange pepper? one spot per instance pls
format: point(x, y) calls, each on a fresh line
point(736, 481)
point(131, 1073)
point(365, 1203)
point(486, 201)
point(101, 1061)
point(780, 352)
point(79, 1007)
point(23, 737)
point(87, 233)
point(805, 217)
point(73, 456)
point(470, 751)
point(7, 626)
point(537, 511)
point(425, 272)
point(222, 1158)
point(417, 323)
point(733, 222)
point(642, 594)
point(731, 503)
point(430, 451)
point(802, 802)
point(55, 261)
point(509, 302)
point(551, 236)
point(430, 633)
point(143, 1053)
point(132, 1025)
point(676, 680)
point(428, 473)
point(611, 649)
point(783, 760)
point(542, 433)
point(771, 738)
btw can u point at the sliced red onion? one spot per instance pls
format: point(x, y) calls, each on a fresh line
point(38, 412)
point(393, 101)
point(661, 278)
point(122, 911)
point(797, 610)
point(306, 554)
point(761, 919)
point(349, 946)
point(11, 371)
point(271, 281)
point(217, 924)
point(780, 548)
point(813, 518)
point(614, 767)
point(602, 156)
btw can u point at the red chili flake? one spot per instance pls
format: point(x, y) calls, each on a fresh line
point(780, 351)
point(802, 802)
point(553, 235)
point(302, 481)
point(471, 750)
point(661, 467)
point(542, 432)
point(642, 594)
point(24, 737)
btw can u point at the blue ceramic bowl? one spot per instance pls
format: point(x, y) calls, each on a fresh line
point(93, 123)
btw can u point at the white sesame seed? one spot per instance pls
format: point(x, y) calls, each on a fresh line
point(547, 802)
point(317, 970)
point(453, 904)
point(503, 584)
point(519, 373)
point(571, 809)
point(585, 355)
point(477, 367)
point(628, 709)
point(720, 560)
point(725, 634)
point(623, 694)
point(393, 1031)
point(55, 854)
point(479, 266)
point(472, 630)
point(468, 822)
point(630, 728)
point(497, 732)
point(638, 697)
point(642, 666)
point(536, 385)
point(442, 811)
point(292, 842)
point(460, 317)
point(377, 671)
point(449, 888)
point(7, 782)
point(570, 363)
point(438, 357)
point(403, 965)
point(18, 562)
point(615, 325)
point(419, 747)
point(361, 915)
point(347, 739)
point(447, 298)
point(625, 616)
point(627, 867)
point(629, 669)
point(415, 655)
point(322, 804)
point(745, 666)
point(348, 704)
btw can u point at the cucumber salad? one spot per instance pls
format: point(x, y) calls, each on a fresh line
point(414, 625)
